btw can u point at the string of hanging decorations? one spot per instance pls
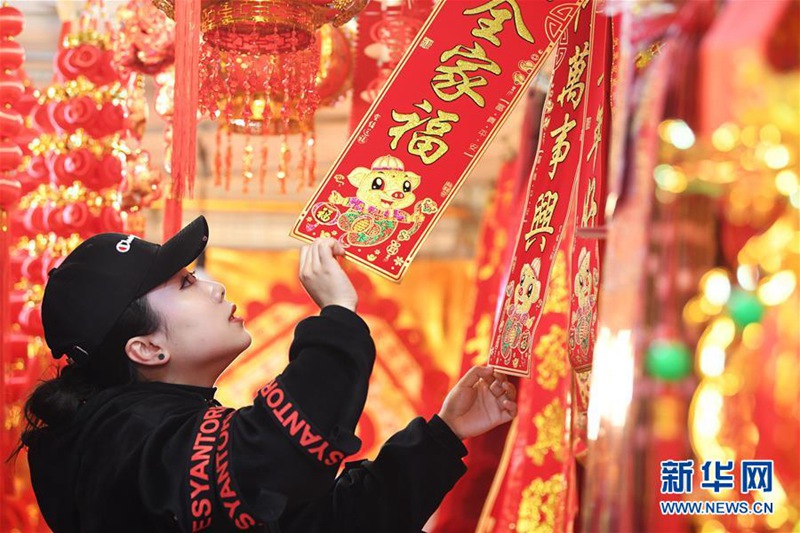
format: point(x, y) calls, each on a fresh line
point(265, 68)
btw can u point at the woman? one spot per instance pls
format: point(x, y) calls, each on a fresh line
point(129, 437)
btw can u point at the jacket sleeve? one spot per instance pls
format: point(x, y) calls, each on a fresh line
point(398, 492)
point(284, 450)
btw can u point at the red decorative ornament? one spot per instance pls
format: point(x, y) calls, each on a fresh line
point(83, 60)
point(10, 156)
point(76, 216)
point(267, 26)
point(275, 95)
point(32, 268)
point(71, 176)
point(10, 192)
point(11, 21)
point(249, 42)
point(146, 39)
point(74, 113)
point(109, 119)
point(35, 172)
point(12, 55)
point(142, 184)
point(76, 165)
point(108, 171)
point(11, 89)
point(30, 318)
point(10, 122)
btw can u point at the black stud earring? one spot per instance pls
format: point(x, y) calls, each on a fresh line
point(161, 357)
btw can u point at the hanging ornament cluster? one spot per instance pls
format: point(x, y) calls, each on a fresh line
point(144, 45)
point(16, 100)
point(265, 67)
point(273, 95)
point(267, 26)
point(76, 166)
point(20, 370)
point(145, 41)
point(12, 89)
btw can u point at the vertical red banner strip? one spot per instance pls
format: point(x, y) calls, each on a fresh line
point(529, 492)
point(554, 178)
point(585, 251)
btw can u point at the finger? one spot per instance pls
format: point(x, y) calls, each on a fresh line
point(510, 390)
point(326, 253)
point(303, 258)
point(474, 375)
point(510, 408)
point(500, 376)
point(338, 249)
point(316, 263)
point(497, 389)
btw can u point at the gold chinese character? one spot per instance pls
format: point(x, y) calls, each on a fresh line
point(589, 205)
point(489, 28)
point(542, 215)
point(457, 76)
point(580, 7)
point(574, 88)
point(562, 145)
point(428, 144)
point(324, 214)
point(598, 132)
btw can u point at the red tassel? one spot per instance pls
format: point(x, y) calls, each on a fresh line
point(184, 139)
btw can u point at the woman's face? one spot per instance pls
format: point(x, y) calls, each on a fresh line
point(199, 329)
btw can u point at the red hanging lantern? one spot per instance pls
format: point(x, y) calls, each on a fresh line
point(267, 26)
point(258, 69)
point(275, 95)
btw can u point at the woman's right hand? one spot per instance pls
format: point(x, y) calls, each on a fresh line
point(323, 277)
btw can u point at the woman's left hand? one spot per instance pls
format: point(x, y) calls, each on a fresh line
point(481, 400)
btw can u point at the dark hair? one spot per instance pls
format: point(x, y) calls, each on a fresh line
point(55, 402)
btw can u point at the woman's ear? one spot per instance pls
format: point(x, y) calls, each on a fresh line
point(146, 350)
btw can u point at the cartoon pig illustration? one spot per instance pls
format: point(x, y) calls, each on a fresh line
point(383, 192)
point(516, 332)
point(584, 318)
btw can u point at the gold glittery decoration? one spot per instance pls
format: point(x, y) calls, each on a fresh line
point(550, 424)
point(538, 505)
point(557, 296)
point(75, 193)
point(644, 57)
point(63, 143)
point(551, 351)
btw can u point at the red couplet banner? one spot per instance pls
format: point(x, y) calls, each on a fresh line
point(589, 215)
point(567, 126)
point(440, 109)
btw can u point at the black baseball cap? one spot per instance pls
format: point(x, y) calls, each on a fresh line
point(87, 293)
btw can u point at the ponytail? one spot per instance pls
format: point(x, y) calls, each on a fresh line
point(55, 402)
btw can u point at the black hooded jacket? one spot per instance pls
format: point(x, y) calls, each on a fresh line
point(153, 456)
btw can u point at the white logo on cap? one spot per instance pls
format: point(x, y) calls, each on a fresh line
point(125, 244)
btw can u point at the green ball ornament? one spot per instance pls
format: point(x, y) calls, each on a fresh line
point(668, 360)
point(744, 308)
